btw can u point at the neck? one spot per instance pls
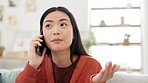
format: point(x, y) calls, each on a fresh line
point(61, 59)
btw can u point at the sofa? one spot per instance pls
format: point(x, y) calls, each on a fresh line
point(8, 76)
point(129, 78)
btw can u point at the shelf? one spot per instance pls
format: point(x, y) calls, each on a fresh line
point(125, 25)
point(21, 57)
point(115, 8)
point(117, 44)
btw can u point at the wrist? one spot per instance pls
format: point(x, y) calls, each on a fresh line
point(35, 66)
point(94, 79)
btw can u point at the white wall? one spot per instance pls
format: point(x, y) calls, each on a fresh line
point(144, 28)
point(29, 21)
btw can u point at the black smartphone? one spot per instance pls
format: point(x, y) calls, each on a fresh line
point(40, 48)
point(0, 77)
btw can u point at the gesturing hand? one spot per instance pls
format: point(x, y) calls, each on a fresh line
point(106, 74)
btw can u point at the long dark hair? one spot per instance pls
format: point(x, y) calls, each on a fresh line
point(76, 47)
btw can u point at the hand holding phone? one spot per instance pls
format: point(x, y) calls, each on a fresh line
point(36, 57)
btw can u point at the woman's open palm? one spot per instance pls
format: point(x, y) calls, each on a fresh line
point(106, 74)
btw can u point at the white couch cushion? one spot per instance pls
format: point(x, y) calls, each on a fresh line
point(8, 76)
point(129, 78)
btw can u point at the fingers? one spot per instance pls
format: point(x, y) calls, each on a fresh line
point(38, 38)
point(115, 67)
point(36, 41)
point(108, 73)
point(35, 60)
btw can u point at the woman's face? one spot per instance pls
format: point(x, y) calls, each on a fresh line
point(57, 31)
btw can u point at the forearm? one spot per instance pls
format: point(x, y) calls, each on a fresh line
point(28, 75)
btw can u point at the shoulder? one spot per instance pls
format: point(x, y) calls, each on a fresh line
point(90, 61)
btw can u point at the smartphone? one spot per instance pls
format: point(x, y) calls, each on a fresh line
point(40, 48)
point(0, 77)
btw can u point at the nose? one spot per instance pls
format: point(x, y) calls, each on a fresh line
point(56, 31)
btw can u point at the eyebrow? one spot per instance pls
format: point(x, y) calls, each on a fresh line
point(63, 20)
point(48, 21)
point(59, 20)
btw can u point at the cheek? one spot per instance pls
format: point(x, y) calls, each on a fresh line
point(46, 32)
point(46, 35)
point(47, 38)
point(70, 36)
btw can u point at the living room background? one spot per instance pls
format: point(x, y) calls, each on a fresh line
point(19, 22)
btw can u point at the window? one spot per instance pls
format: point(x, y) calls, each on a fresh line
point(111, 22)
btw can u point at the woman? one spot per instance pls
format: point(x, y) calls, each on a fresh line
point(63, 59)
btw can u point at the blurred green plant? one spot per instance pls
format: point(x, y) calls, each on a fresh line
point(1, 50)
point(126, 36)
point(88, 43)
point(102, 23)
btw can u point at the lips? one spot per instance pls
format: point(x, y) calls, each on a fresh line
point(57, 40)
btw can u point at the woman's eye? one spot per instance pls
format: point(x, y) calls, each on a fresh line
point(48, 25)
point(63, 24)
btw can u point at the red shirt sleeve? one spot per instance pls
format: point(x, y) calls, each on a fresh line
point(28, 75)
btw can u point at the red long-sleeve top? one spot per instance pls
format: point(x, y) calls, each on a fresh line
point(85, 68)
